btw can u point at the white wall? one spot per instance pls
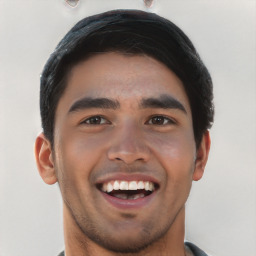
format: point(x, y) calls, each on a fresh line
point(221, 212)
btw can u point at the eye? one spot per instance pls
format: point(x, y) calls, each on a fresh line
point(95, 120)
point(160, 120)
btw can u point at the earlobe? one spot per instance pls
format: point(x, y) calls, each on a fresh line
point(44, 160)
point(202, 156)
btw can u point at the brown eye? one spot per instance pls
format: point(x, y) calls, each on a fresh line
point(160, 120)
point(95, 120)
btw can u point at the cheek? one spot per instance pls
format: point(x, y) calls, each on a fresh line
point(176, 152)
point(77, 154)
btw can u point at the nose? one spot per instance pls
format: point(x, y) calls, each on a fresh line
point(128, 145)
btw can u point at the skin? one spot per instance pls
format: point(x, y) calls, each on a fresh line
point(125, 141)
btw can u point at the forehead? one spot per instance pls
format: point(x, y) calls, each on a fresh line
point(126, 78)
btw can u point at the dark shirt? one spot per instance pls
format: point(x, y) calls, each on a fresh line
point(193, 248)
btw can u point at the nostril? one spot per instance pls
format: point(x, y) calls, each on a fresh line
point(129, 159)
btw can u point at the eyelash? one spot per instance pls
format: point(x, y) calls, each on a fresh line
point(164, 119)
point(86, 121)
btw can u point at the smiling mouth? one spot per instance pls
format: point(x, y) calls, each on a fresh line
point(128, 190)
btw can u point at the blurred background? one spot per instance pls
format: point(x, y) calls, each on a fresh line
point(221, 210)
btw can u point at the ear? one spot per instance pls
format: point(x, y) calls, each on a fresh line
point(202, 156)
point(44, 159)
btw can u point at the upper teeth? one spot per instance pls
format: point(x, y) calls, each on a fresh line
point(127, 185)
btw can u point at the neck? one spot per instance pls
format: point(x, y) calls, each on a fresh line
point(77, 243)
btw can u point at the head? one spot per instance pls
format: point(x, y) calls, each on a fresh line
point(133, 33)
point(126, 104)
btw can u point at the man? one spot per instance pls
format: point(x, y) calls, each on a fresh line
point(126, 104)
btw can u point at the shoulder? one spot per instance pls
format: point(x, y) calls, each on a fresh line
point(195, 250)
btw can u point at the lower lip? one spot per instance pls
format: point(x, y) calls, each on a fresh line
point(128, 203)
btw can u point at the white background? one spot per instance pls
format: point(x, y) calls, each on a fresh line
point(221, 211)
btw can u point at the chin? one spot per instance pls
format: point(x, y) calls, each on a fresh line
point(125, 245)
point(127, 241)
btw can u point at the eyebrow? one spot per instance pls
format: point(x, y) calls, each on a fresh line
point(87, 103)
point(164, 102)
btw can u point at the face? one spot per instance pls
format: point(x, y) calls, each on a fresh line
point(124, 151)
